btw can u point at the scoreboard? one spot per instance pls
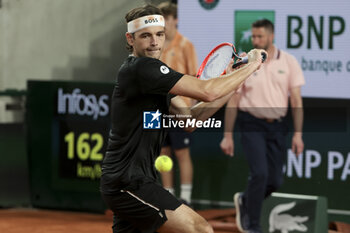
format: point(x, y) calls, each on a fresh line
point(67, 124)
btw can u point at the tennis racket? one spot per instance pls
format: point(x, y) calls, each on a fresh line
point(218, 59)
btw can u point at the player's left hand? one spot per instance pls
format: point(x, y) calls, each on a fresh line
point(297, 144)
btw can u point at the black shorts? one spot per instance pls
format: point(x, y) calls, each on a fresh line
point(141, 210)
point(177, 139)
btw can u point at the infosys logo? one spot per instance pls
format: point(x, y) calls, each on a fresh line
point(77, 103)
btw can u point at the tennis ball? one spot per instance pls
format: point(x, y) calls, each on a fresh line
point(163, 163)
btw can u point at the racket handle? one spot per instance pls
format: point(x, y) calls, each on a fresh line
point(244, 60)
point(264, 55)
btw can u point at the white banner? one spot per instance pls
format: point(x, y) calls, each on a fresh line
point(317, 33)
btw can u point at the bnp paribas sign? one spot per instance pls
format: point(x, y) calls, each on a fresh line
point(242, 26)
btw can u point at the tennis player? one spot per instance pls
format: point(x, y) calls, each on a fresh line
point(129, 182)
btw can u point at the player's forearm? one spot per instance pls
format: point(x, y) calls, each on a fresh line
point(219, 87)
point(204, 110)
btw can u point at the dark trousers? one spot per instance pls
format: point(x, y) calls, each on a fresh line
point(264, 145)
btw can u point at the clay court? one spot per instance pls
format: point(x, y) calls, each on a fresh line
point(52, 221)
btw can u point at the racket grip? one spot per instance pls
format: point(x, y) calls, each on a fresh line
point(244, 60)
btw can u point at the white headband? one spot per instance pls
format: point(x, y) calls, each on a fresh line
point(145, 21)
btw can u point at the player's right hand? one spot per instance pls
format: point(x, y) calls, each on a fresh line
point(255, 55)
point(227, 146)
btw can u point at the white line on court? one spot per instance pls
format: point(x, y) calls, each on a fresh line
point(339, 212)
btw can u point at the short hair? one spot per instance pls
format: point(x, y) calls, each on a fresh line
point(138, 12)
point(168, 8)
point(265, 23)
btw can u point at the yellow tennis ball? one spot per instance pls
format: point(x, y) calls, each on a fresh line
point(163, 163)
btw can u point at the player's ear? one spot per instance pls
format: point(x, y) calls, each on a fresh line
point(129, 38)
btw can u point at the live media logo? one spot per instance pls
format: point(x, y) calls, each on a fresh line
point(151, 120)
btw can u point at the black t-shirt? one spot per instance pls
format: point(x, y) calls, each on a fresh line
point(142, 85)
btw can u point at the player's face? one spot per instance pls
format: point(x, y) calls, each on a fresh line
point(148, 42)
point(261, 38)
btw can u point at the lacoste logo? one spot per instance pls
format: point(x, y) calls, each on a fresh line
point(286, 222)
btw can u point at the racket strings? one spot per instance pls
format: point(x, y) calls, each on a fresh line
point(217, 62)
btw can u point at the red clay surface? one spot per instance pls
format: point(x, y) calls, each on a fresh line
point(50, 221)
point(47, 221)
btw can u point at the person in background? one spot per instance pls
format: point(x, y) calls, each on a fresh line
point(179, 54)
point(262, 104)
